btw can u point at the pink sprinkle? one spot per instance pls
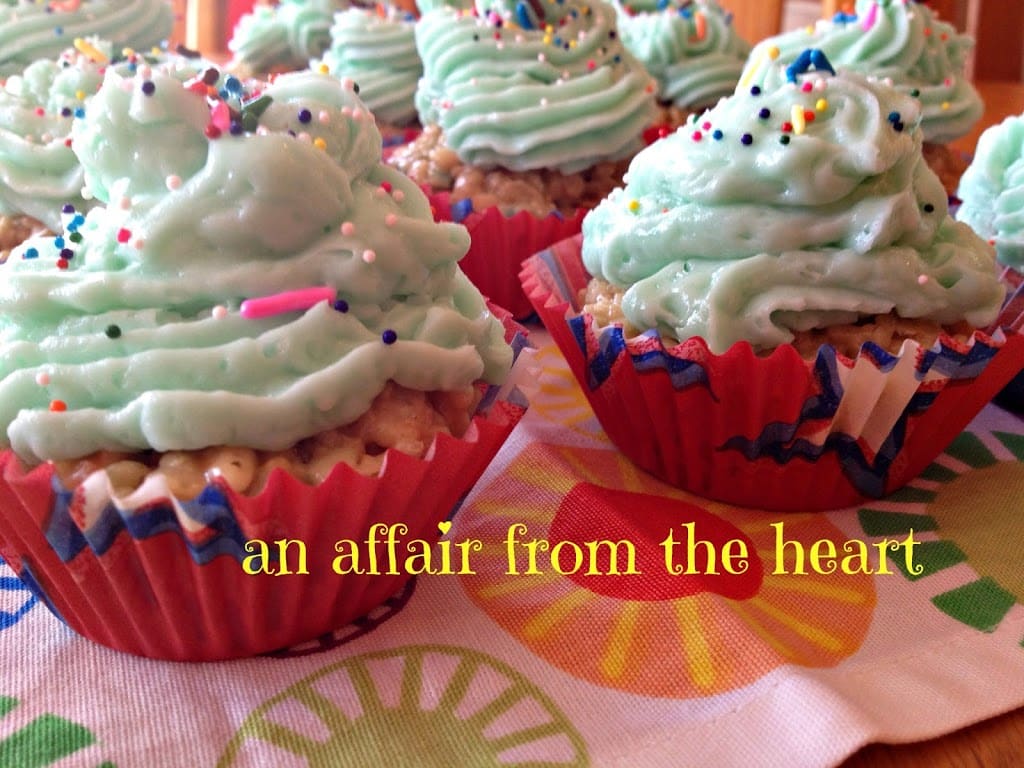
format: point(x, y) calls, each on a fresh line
point(807, 86)
point(922, 279)
point(173, 182)
point(697, 136)
point(399, 195)
point(289, 301)
point(40, 112)
point(220, 312)
point(43, 379)
point(138, 244)
point(348, 228)
point(369, 256)
point(391, 219)
point(324, 117)
point(870, 17)
point(707, 125)
point(123, 235)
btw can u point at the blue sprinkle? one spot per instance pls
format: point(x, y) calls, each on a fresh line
point(461, 209)
point(68, 208)
point(58, 243)
point(341, 305)
point(389, 336)
point(717, 135)
point(523, 16)
point(894, 117)
point(58, 31)
point(233, 85)
point(79, 220)
point(80, 112)
point(31, 253)
point(65, 112)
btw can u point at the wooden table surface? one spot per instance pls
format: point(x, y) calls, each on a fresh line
point(998, 742)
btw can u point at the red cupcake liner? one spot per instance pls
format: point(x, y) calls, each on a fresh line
point(157, 577)
point(774, 432)
point(499, 245)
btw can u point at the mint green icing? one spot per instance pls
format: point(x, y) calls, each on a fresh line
point(523, 89)
point(254, 215)
point(751, 241)
point(32, 30)
point(283, 36)
point(379, 53)
point(992, 190)
point(908, 43)
point(691, 48)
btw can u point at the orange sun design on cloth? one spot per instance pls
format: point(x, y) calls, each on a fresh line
point(655, 633)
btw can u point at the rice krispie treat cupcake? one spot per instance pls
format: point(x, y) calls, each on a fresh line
point(282, 37)
point(260, 333)
point(691, 49)
point(529, 109)
point(801, 211)
point(41, 30)
point(905, 42)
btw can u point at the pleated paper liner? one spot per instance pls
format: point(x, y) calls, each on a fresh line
point(155, 576)
point(1012, 395)
point(499, 245)
point(774, 432)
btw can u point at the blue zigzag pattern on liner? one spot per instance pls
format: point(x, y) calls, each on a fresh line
point(777, 440)
point(210, 508)
point(11, 584)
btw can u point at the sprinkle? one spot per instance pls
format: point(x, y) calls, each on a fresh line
point(43, 379)
point(369, 256)
point(870, 17)
point(348, 228)
point(922, 279)
point(774, 52)
point(67, 208)
point(67, 253)
point(945, 105)
point(87, 48)
point(390, 220)
point(697, 136)
point(717, 135)
point(461, 209)
point(784, 139)
point(173, 182)
point(62, 264)
point(807, 87)
point(123, 235)
point(305, 116)
point(219, 312)
point(113, 331)
point(324, 117)
point(799, 123)
point(764, 113)
point(341, 306)
point(31, 253)
point(212, 131)
point(319, 143)
point(139, 243)
point(149, 87)
point(746, 139)
point(929, 208)
point(58, 406)
point(288, 301)
point(787, 127)
point(124, 203)
point(634, 205)
point(389, 336)
point(821, 105)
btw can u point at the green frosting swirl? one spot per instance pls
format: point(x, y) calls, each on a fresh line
point(992, 190)
point(379, 53)
point(739, 226)
point(905, 42)
point(129, 332)
point(284, 36)
point(528, 84)
point(691, 49)
point(35, 30)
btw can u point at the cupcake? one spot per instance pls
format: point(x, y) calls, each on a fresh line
point(777, 310)
point(905, 42)
point(690, 48)
point(34, 30)
point(260, 334)
point(282, 37)
point(990, 191)
point(530, 113)
point(377, 49)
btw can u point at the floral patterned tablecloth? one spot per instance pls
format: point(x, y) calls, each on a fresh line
point(756, 667)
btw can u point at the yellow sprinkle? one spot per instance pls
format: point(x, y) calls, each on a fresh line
point(774, 52)
point(323, 69)
point(549, 30)
point(799, 123)
point(634, 205)
point(809, 29)
point(319, 143)
point(572, 43)
point(127, 52)
point(751, 71)
point(547, 40)
point(821, 105)
point(90, 50)
point(155, 50)
point(79, 95)
point(945, 105)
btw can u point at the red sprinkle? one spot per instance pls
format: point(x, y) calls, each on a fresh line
point(62, 264)
point(123, 235)
point(808, 116)
point(386, 186)
point(697, 136)
point(40, 112)
point(787, 127)
point(591, 64)
point(67, 142)
point(806, 87)
point(58, 406)
point(212, 131)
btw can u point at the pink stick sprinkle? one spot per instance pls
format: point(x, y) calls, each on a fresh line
point(870, 18)
point(289, 301)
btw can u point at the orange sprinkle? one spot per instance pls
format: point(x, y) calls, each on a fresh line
point(58, 406)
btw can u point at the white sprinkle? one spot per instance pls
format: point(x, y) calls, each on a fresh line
point(500, 45)
point(357, 114)
point(43, 379)
point(220, 312)
point(173, 182)
point(324, 117)
point(124, 203)
point(541, 58)
point(391, 219)
point(305, 138)
point(348, 83)
point(543, 102)
point(86, 193)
